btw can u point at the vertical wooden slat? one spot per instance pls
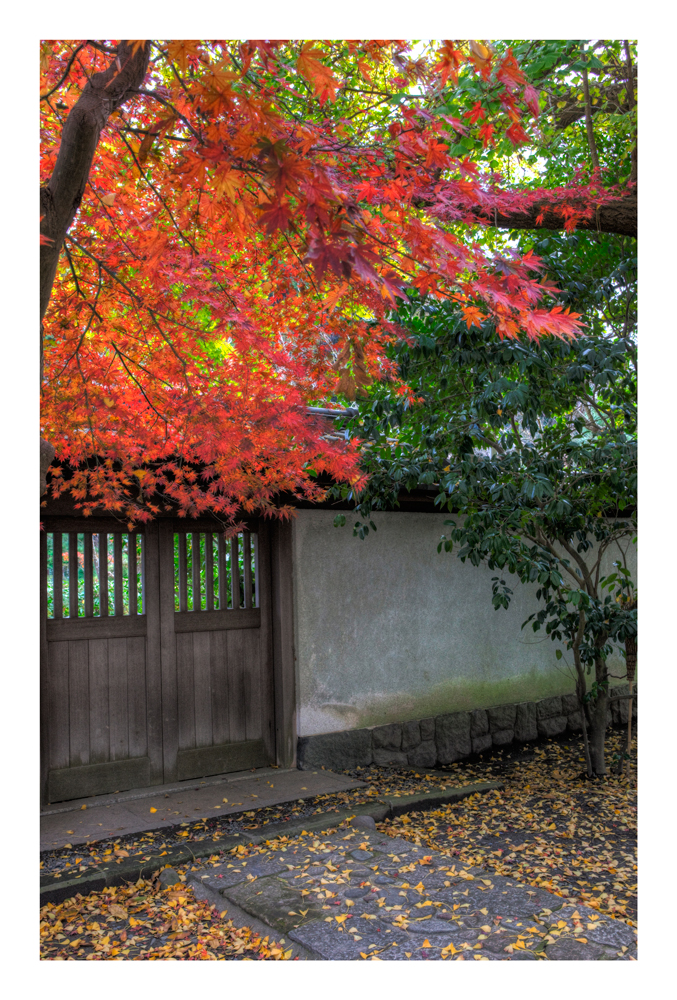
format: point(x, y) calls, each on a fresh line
point(151, 608)
point(218, 658)
point(195, 559)
point(266, 652)
point(133, 574)
point(72, 574)
point(89, 575)
point(254, 691)
point(58, 575)
point(103, 574)
point(234, 573)
point(117, 573)
point(186, 690)
point(78, 701)
point(209, 570)
point(236, 685)
point(183, 573)
point(136, 695)
point(247, 569)
point(59, 716)
point(99, 726)
point(203, 689)
point(223, 582)
point(170, 728)
point(117, 699)
point(255, 543)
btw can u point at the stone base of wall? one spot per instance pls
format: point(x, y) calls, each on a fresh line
point(449, 738)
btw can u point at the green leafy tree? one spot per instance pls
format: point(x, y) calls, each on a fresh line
point(533, 447)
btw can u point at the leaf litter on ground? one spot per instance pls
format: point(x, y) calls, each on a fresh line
point(549, 827)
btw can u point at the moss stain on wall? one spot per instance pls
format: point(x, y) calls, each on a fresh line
point(454, 695)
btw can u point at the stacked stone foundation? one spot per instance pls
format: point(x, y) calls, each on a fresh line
point(455, 736)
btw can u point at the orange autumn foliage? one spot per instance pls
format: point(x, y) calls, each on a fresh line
point(253, 213)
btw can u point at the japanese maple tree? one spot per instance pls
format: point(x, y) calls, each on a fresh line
point(225, 229)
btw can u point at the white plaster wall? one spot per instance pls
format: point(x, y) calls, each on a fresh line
point(387, 629)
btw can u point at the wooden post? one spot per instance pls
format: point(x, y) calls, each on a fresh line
point(44, 681)
point(283, 643)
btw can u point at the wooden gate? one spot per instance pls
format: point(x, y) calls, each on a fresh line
point(158, 654)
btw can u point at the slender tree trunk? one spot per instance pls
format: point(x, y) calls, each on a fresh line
point(631, 661)
point(599, 713)
point(580, 689)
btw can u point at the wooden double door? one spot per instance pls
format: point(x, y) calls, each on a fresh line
point(158, 657)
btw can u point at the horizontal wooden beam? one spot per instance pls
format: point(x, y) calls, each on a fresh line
point(112, 627)
point(97, 779)
point(203, 761)
point(215, 621)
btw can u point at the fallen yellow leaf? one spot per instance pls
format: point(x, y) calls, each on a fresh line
point(153, 809)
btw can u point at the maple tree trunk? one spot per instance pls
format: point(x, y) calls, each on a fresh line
point(60, 198)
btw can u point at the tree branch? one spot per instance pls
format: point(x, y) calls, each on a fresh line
point(60, 198)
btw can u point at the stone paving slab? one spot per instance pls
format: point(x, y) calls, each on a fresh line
point(355, 893)
point(104, 818)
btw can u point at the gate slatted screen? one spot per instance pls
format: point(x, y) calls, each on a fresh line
point(148, 683)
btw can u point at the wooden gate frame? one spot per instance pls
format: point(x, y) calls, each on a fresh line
point(284, 673)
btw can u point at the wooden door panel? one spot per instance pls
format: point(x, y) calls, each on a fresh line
point(202, 682)
point(97, 779)
point(59, 753)
point(186, 690)
point(78, 702)
point(235, 644)
point(118, 698)
point(136, 697)
point(224, 673)
point(99, 723)
point(218, 663)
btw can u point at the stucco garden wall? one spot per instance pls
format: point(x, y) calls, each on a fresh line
point(388, 630)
